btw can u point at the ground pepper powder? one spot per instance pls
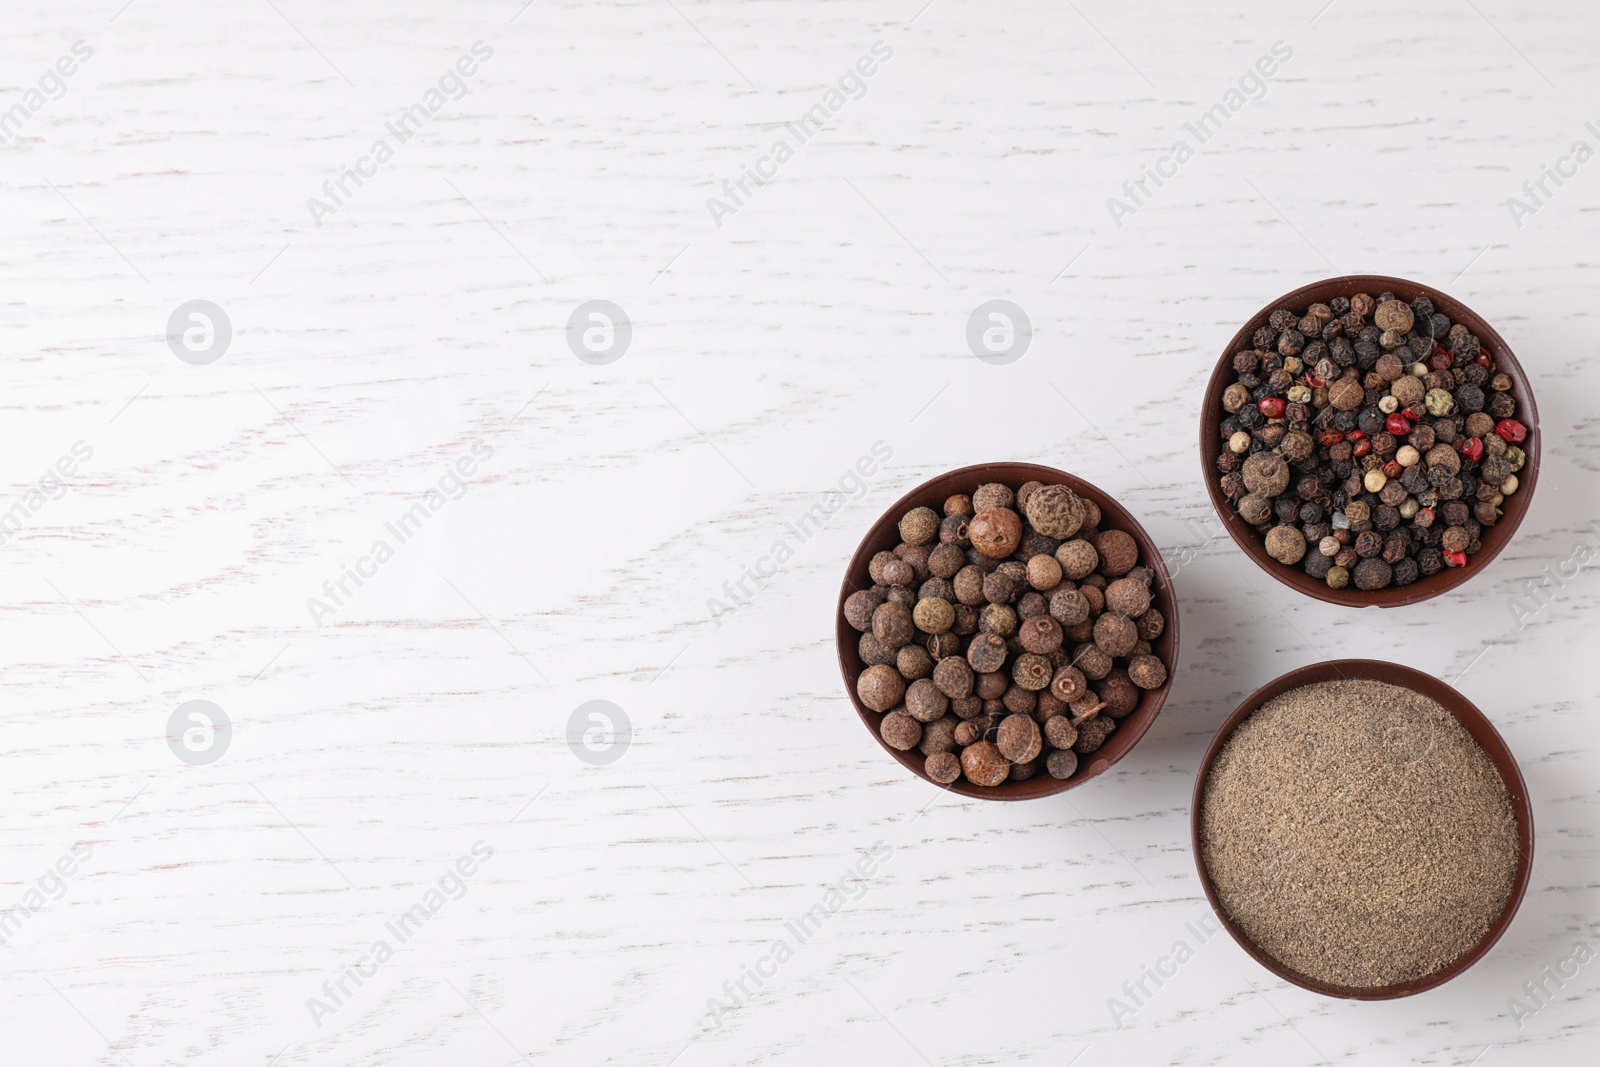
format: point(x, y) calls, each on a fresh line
point(1355, 832)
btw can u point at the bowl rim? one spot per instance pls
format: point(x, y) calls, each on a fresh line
point(1482, 731)
point(1423, 589)
point(932, 492)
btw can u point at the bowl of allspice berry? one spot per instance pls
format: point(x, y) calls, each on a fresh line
point(1007, 631)
point(1370, 441)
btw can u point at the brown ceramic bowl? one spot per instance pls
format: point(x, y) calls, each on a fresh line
point(885, 534)
point(1476, 724)
point(1494, 538)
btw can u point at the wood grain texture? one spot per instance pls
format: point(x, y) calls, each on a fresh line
point(828, 313)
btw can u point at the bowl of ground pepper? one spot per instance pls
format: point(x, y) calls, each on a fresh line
point(1362, 830)
point(1007, 631)
point(1369, 441)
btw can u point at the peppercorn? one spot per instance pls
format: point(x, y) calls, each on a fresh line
point(996, 532)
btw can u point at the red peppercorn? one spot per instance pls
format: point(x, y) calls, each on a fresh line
point(1442, 359)
point(1361, 448)
point(1484, 361)
point(1472, 448)
point(1397, 424)
point(1511, 431)
point(1314, 381)
point(1331, 437)
point(1455, 559)
point(1392, 469)
point(1355, 435)
point(1424, 518)
point(1272, 407)
point(1415, 412)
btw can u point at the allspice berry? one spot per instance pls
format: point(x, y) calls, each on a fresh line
point(1266, 474)
point(1119, 552)
point(1061, 764)
point(924, 701)
point(1346, 394)
point(992, 495)
point(1150, 624)
point(892, 624)
point(986, 654)
point(1040, 634)
point(1255, 509)
point(919, 526)
point(958, 504)
point(1093, 734)
point(954, 677)
point(913, 661)
point(996, 532)
point(1055, 511)
point(983, 764)
point(939, 736)
point(880, 687)
point(898, 572)
point(1078, 559)
point(1286, 544)
point(1128, 596)
point(900, 731)
point(1121, 696)
point(1044, 573)
point(1146, 672)
point(1068, 684)
point(943, 767)
point(945, 560)
point(1018, 738)
point(933, 615)
point(1032, 672)
point(1060, 732)
point(1393, 315)
point(1069, 607)
point(859, 606)
point(1114, 634)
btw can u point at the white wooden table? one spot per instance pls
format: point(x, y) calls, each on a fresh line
point(164, 910)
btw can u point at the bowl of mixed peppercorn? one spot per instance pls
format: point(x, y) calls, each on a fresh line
point(1370, 441)
point(1007, 631)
